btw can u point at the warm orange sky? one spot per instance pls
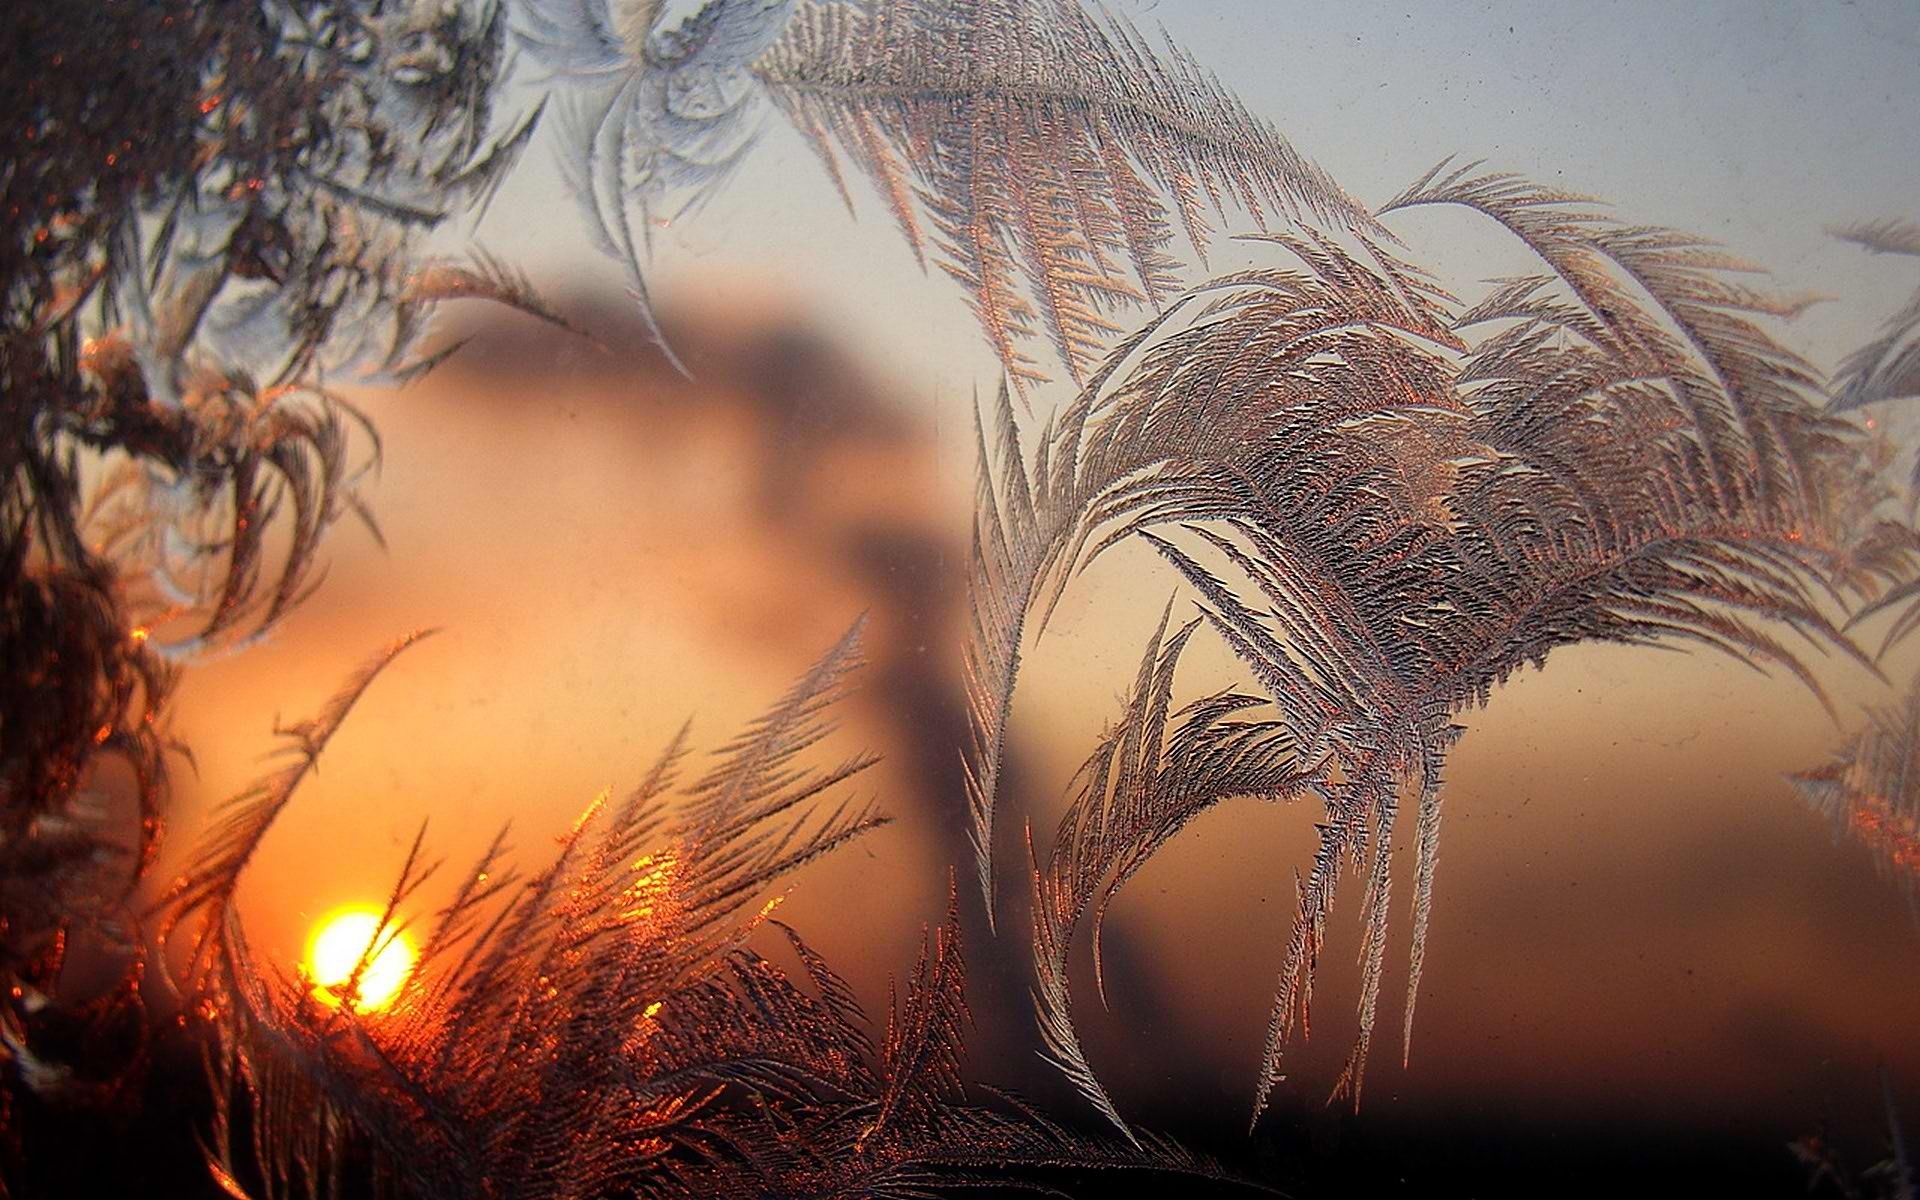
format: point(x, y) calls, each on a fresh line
point(1635, 915)
point(1634, 912)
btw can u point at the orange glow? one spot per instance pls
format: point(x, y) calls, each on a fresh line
point(653, 876)
point(1894, 835)
point(592, 810)
point(334, 953)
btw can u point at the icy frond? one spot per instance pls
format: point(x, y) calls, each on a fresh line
point(1870, 788)
point(1887, 368)
point(604, 1027)
point(1889, 235)
point(1328, 363)
point(585, 37)
point(1671, 304)
point(1386, 504)
point(651, 116)
point(186, 260)
point(1040, 153)
point(205, 890)
point(1150, 776)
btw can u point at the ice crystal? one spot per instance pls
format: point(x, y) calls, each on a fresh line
point(188, 250)
point(1385, 501)
point(1421, 498)
point(651, 116)
point(1887, 368)
point(1040, 153)
point(604, 1027)
point(1870, 788)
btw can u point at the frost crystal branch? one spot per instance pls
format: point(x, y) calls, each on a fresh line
point(184, 258)
point(1871, 787)
point(1386, 504)
point(1040, 154)
point(604, 1027)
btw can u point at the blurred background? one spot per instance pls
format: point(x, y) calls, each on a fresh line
point(1648, 957)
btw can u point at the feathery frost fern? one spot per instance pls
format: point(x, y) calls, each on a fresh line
point(1387, 503)
point(1870, 788)
point(603, 1027)
point(189, 251)
point(1888, 369)
point(1039, 153)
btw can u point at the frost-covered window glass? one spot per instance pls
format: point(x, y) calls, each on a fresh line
point(882, 598)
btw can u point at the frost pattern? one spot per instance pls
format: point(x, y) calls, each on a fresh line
point(1384, 500)
point(651, 116)
point(1387, 503)
point(1040, 154)
point(191, 265)
point(1870, 788)
point(602, 1027)
point(1888, 369)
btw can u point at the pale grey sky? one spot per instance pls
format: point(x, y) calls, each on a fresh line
point(1755, 122)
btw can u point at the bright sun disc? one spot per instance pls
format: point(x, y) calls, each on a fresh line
point(337, 946)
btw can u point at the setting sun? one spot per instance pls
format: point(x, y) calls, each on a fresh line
point(336, 948)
